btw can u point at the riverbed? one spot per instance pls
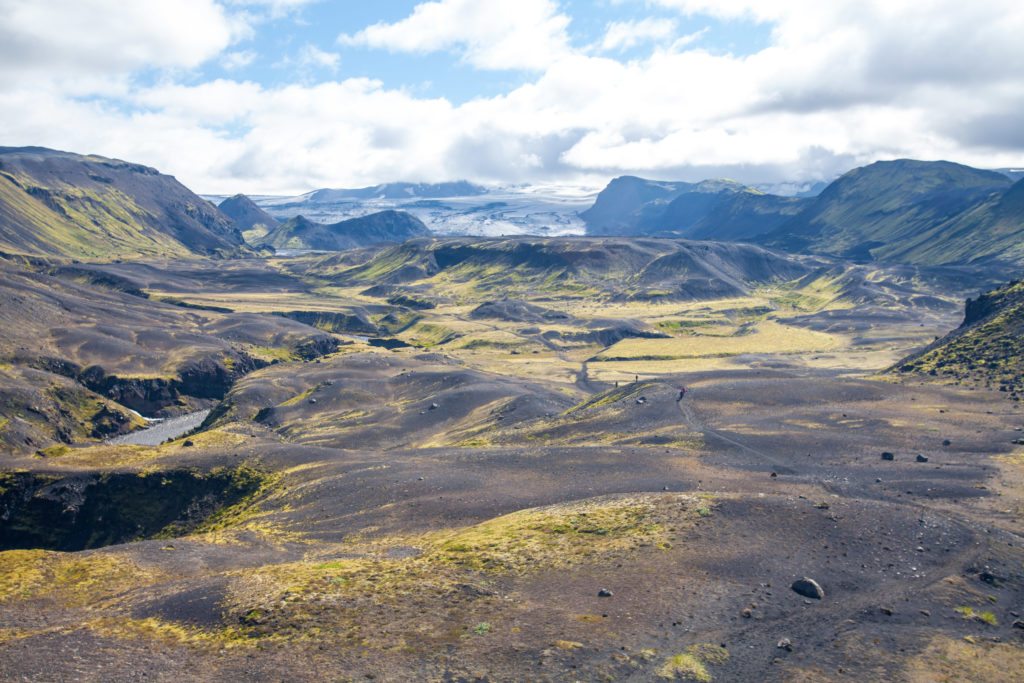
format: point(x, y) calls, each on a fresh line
point(162, 430)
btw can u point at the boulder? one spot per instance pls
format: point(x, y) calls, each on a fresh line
point(809, 588)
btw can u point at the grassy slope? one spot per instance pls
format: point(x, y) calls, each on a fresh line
point(67, 205)
point(903, 211)
point(76, 222)
point(989, 351)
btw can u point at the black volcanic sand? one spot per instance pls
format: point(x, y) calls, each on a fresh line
point(401, 516)
point(894, 557)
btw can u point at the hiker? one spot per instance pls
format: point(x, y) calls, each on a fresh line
point(682, 392)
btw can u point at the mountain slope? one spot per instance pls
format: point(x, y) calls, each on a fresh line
point(988, 348)
point(61, 204)
point(887, 210)
point(580, 267)
point(383, 226)
point(248, 217)
point(732, 213)
point(711, 209)
point(626, 202)
point(993, 229)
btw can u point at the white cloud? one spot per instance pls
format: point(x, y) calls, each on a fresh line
point(238, 59)
point(311, 55)
point(623, 35)
point(840, 83)
point(498, 34)
point(109, 37)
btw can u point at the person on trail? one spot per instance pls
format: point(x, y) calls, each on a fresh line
point(682, 392)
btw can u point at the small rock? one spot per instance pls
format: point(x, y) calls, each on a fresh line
point(312, 400)
point(990, 578)
point(925, 612)
point(774, 475)
point(878, 481)
point(921, 458)
point(641, 400)
point(434, 406)
point(947, 442)
point(1018, 624)
point(888, 456)
point(809, 588)
point(187, 443)
point(746, 613)
point(785, 644)
point(604, 593)
point(887, 611)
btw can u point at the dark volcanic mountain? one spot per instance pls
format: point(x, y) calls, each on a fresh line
point(383, 226)
point(61, 204)
point(987, 349)
point(712, 209)
point(910, 212)
point(248, 217)
point(620, 207)
point(459, 188)
point(733, 213)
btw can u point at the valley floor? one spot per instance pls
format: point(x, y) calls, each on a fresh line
point(515, 491)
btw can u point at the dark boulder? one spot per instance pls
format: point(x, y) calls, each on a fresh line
point(809, 588)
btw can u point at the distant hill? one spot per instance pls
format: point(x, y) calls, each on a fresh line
point(383, 226)
point(585, 267)
point(712, 209)
point(459, 188)
point(733, 213)
point(907, 211)
point(988, 349)
point(626, 202)
point(249, 218)
point(89, 207)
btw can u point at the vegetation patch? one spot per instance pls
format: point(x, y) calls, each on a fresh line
point(72, 579)
point(947, 660)
point(693, 663)
point(984, 616)
point(337, 595)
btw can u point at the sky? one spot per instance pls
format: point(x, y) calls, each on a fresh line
point(285, 96)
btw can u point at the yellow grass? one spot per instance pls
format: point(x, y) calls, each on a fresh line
point(765, 337)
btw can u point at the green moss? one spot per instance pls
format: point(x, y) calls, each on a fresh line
point(248, 485)
point(693, 664)
point(70, 579)
point(985, 617)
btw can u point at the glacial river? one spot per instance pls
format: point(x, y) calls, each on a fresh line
point(162, 430)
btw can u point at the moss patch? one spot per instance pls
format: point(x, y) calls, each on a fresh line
point(693, 663)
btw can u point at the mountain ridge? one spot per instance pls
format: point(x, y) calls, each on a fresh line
point(55, 203)
point(375, 228)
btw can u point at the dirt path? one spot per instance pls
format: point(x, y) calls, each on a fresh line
point(694, 423)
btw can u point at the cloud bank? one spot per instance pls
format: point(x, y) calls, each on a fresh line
point(838, 84)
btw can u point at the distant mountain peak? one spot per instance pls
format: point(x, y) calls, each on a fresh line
point(374, 228)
